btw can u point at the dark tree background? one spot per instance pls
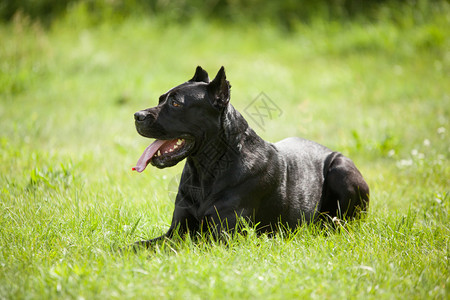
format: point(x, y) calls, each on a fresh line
point(285, 13)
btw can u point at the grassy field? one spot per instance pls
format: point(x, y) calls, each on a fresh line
point(378, 92)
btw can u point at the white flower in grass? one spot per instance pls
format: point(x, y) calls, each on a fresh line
point(391, 153)
point(414, 152)
point(404, 163)
point(441, 130)
point(438, 200)
point(426, 142)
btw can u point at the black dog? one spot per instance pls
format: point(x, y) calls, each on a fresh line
point(231, 172)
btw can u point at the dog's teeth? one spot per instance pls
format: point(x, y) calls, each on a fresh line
point(165, 152)
point(175, 146)
point(170, 150)
point(159, 153)
point(180, 141)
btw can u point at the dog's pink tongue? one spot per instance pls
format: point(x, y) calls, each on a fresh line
point(147, 155)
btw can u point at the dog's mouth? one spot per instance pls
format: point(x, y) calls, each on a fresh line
point(164, 153)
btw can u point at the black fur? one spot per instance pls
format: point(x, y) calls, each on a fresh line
point(231, 172)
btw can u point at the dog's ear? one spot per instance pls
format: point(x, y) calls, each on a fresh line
point(200, 76)
point(219, 89)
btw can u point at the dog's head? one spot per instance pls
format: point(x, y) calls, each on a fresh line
point(184, 118)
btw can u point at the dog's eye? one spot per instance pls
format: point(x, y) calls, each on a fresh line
point(175, 103)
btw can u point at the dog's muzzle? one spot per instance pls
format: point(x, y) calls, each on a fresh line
point(140, 115)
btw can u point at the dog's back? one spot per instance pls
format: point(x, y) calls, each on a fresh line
point(301, 178)
point(311, 180)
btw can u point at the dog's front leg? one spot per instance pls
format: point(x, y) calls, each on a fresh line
point(183, 222)
point(148, 243)
point(221, 220)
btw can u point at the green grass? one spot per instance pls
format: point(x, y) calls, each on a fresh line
point(377, 92)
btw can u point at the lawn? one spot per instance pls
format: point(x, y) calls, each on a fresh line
point(376, 91)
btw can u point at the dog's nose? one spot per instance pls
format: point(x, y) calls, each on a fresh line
point(140, 115)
